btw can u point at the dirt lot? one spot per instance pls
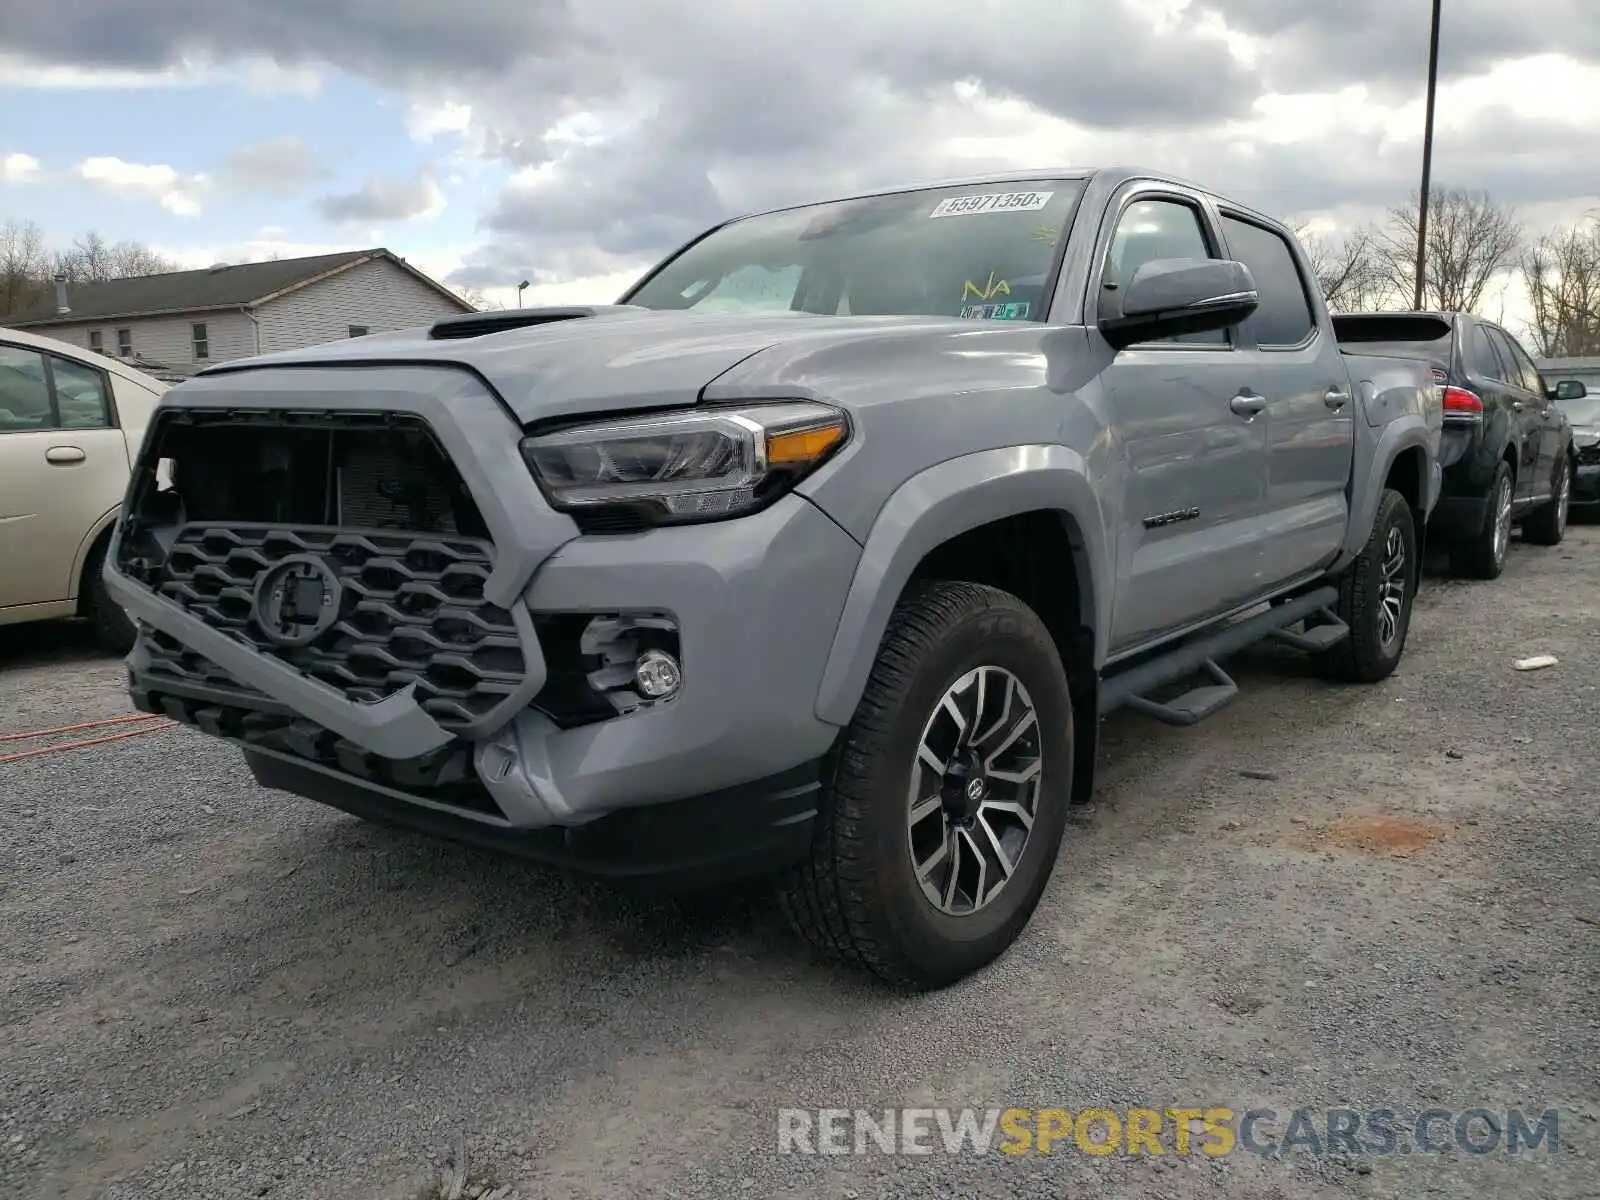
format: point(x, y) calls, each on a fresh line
point(214, 991)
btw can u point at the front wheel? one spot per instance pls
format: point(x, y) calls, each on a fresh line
point(1375, 597)
point(948, 798)
point(1549, 525)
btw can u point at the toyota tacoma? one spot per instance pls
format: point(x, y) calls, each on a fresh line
point(819, 555)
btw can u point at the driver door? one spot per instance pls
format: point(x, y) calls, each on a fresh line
point(1194, 444)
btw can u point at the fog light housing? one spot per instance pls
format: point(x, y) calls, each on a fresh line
point(658, 675)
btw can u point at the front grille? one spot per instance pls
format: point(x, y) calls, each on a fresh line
point(1589, 456)
point(412, 611)
point(444, 776)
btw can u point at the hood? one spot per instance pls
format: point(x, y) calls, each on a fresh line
point(557, 362)
point(1586, 435)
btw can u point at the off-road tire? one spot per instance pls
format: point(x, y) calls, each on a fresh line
point(1362, 657)
point(1548, 525)
point(113, 629)
point(855, 898)
point(1475, 556)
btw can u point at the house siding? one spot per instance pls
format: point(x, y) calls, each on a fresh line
point(378, 294)
point(167, 340)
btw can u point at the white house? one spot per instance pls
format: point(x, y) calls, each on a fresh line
point(174, 324)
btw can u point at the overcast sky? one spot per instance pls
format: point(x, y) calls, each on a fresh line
point(573, 143)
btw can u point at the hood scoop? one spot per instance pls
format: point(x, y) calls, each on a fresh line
point(470, 325)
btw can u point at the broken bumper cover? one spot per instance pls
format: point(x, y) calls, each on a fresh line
point(755, 601)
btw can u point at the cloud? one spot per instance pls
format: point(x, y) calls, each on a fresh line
point(19, 168)
point(157, 181)
point(386, 198)
point(281, 166)
point(625, 127)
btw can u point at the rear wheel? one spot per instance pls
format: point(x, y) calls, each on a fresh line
point(1549, 525)
point(1483, 555)
point(947, 802)
point(1375, 597)
point(113, 629)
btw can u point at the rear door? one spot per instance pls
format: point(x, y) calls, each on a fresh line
point(1550, 421)
point(1527, 406)
point(63, 466)
point(1295, 363)
point(1193, 438)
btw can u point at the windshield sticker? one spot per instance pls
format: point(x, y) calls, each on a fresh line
point(995, 287)
point(967, 206)
point(1015, 310)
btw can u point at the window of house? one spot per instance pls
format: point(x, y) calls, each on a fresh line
point(1155, 229)
point(1283, 317)
point(24, 391)
point(202, 344)
point(359, 331)
point(96, 342)
point(80, 395)
point(125, 343)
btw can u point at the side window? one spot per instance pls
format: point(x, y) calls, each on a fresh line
point(1154, 229)
point(1284, 315)
point(24, 391)
point(1530, 371)
point(1513, 374)
point(80, 395)
point(1481, 356)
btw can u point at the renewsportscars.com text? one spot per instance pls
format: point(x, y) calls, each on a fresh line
point(1212, 1131)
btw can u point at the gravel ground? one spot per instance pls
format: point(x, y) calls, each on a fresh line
point(211, 990)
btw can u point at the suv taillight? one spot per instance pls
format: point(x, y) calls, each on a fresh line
point(1461, 402)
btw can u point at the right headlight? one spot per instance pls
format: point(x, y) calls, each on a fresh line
point(696, 465)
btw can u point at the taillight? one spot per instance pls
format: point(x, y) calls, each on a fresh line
point(1459, 400)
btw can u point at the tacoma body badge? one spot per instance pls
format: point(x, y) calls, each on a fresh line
point(297, 600)
point(1171, 518)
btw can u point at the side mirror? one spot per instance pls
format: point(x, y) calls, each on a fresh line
point(1569, 389)
point(1171, 296)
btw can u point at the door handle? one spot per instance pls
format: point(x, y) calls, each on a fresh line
point(1336, 398)
point(63, 455)
point(1247, 406)
point(1516, 406)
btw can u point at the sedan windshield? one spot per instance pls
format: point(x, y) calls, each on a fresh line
point(983, 252)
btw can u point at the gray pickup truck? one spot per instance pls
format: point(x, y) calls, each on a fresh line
point(820, 555)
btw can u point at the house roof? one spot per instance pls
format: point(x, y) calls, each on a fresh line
point(243, 285)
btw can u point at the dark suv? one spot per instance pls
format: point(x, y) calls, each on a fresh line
point(1508, 448)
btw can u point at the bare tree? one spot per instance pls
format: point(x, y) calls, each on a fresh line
point(1471, 240)
point(1347, 270)
point(1562, 274)
point(478, 300)
point(91, 259)
point(24, 266)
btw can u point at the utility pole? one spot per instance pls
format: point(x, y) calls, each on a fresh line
point(1427, 159)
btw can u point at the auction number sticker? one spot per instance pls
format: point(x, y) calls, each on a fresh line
point(967, 206)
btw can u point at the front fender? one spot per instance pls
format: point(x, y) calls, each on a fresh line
point(938, 504)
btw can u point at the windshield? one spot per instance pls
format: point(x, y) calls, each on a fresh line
point(1584, 412)
point(979, 251)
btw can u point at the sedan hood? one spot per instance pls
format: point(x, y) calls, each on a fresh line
point(559, 362)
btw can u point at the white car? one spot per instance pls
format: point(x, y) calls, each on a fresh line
point(71, 422)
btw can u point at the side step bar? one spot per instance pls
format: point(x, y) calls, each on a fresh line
point(1131, 687)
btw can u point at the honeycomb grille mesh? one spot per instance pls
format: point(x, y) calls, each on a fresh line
point(412, 611)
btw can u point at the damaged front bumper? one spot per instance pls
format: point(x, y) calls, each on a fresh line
point(484, 743)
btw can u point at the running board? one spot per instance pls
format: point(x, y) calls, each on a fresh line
point(1328, 632)
point(1193, 706)
point(1132, 687)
